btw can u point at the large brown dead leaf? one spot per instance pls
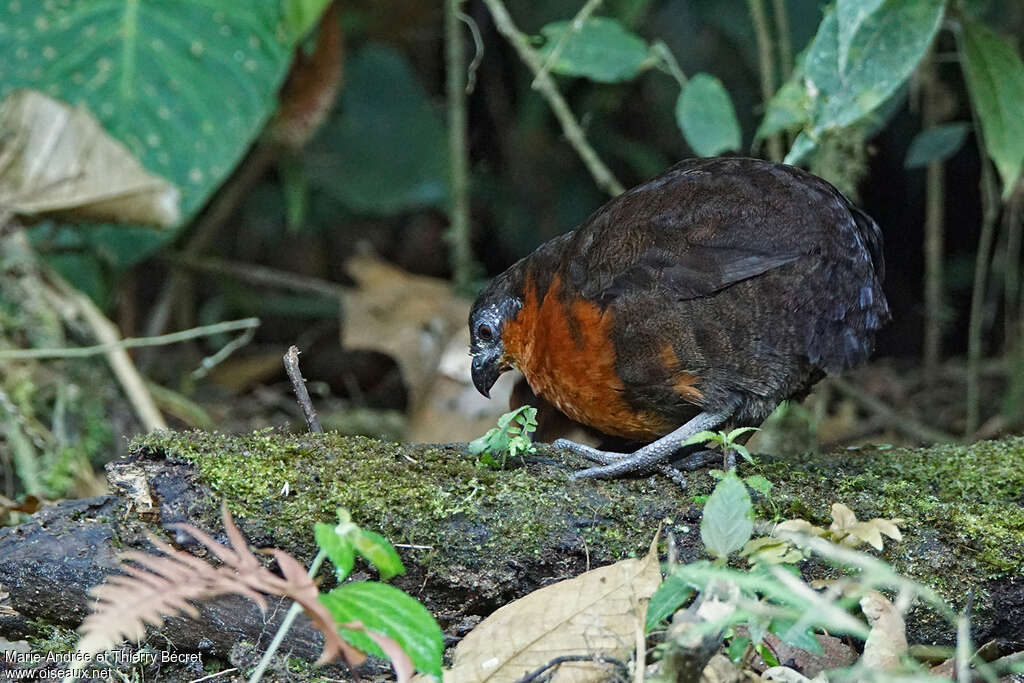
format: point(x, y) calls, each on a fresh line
point(57, 161)
point(595, 613)
point(409, 317)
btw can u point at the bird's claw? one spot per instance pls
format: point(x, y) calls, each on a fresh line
point(590, 453)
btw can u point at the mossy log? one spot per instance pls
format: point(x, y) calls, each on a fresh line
point(474, 538)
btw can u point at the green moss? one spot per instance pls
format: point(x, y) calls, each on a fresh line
point(961, 505)
point(424, 495)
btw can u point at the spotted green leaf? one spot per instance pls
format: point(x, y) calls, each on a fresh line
point(186, 84)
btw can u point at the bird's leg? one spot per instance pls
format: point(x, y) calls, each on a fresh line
point(618, 464)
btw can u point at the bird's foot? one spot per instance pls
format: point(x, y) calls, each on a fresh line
point(590, 453)
point(653, 455)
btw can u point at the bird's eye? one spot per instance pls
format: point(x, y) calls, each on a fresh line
point(485, 332)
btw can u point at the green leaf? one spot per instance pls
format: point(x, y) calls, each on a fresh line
point(884, 49)
point(850, 14)
point(706, 116)
point(734, 434)
point(935, 144)
point(387, 610)
point(789, 108)
point(726, 525)
point(796, 635)
point(742, 450)
point(995, 80)
point(379, 552)
point(803, 147)
point(480, 444)
point(83, 271)
point(737, 648)
point(301, 15)
point(862, 53)
point(384, 150)
point(758, 483)
point(186, 85)
point(670, 596)
point(339, 550)
point(599, 49)
point(701, 437)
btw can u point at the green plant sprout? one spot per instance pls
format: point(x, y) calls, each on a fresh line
point(723, 440)
point(510, 438)
point(377, 606)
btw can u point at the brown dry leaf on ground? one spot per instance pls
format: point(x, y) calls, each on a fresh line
point(887, 640)
point(595, 613)
point(409, 317)
point(56, 160)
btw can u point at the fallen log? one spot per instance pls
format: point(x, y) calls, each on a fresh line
point(474, 538)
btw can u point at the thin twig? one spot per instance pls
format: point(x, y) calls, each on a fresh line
point(766, 59)
point(565, 659)
point(459, 237)
point(216, 675)
point(546, 86)
point(903, 423)
point(120, 362)
point(130, 342)
point(258, 275)
point(291, 366)
point(574, 27)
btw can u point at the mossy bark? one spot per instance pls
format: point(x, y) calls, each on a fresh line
point(474, 538)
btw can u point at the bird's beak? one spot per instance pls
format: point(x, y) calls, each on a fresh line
point(486, 370)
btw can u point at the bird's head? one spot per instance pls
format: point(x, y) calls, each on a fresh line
point(494, 308)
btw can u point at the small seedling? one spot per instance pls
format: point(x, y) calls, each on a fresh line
point(727, 442)
point(510, 438)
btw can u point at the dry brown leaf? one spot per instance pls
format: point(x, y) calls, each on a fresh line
point(57, 161)
point(835, 654)
point(594, 613)
point(887, 640)
point(720, 669)
point(409, 317)
point(843, 518)
point(783, 674)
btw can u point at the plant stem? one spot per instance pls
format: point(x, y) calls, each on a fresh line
point(989, 213)
point(669, 61)
point(285, 626)
point(459, 237)
point(785, 41)
point(934, 233)
point(767, 64)
point(1013, 299)
point(546, 86)
point(574, 27)
point(131, 342)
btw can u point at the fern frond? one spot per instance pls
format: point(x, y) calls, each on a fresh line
point(154, 587)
